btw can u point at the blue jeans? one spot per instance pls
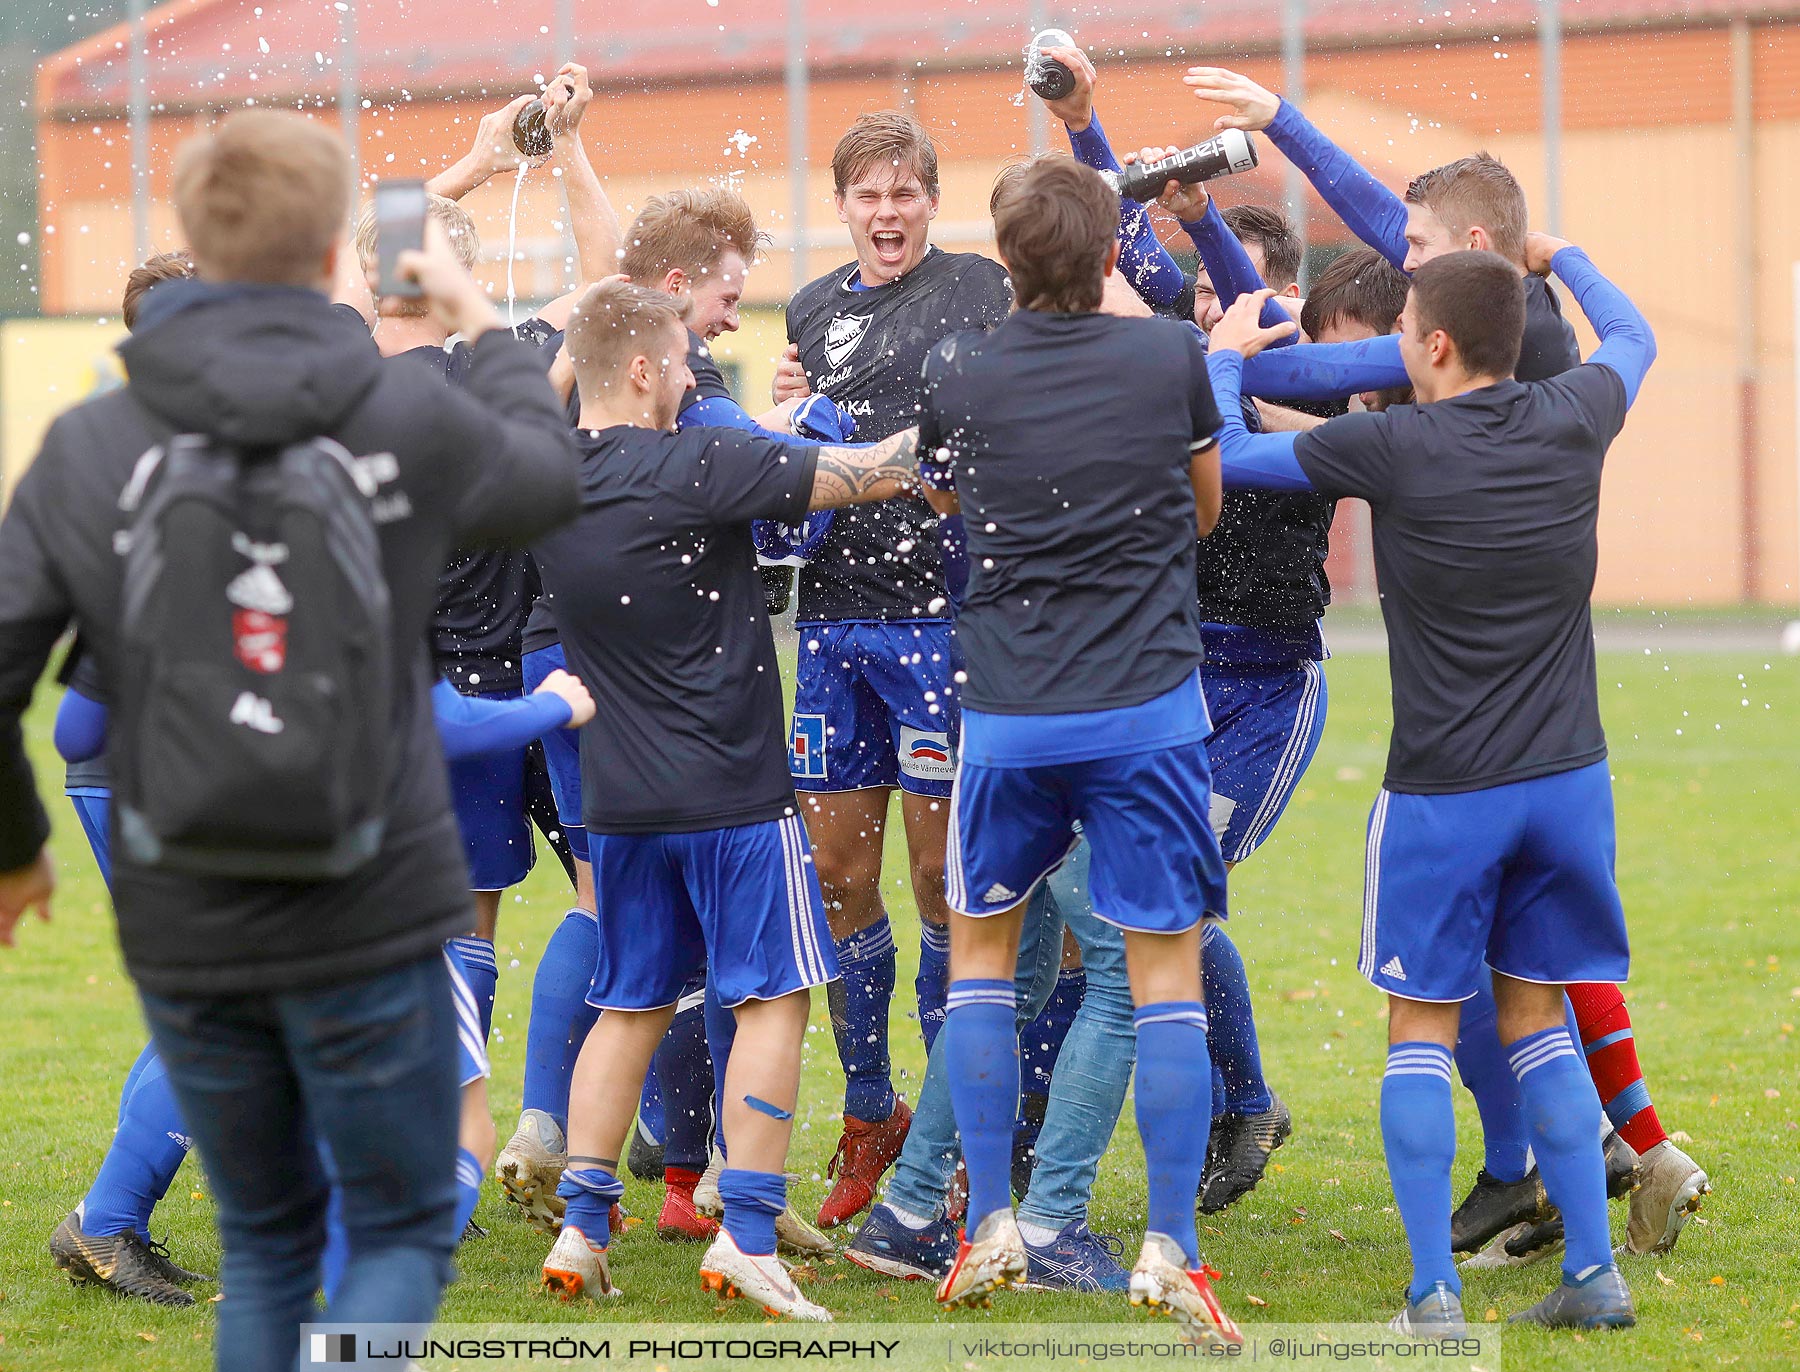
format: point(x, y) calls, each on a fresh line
point(369, 1065)
point(1087, 1091)
point(927, 1163)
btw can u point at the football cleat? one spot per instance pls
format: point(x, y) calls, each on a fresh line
point(994, 1258)
point(1163, 1282)
point(707, 1199)
point(865, 1150)
point(679, 1221)
point(794, 1235)
point(1669, 1192)
point(644, 1154)
point(576, 1267)
point(472, 1230)
point(1494, 1206)
point(732, 1273)
point(1077, 1259)
point(887, 1246)
point(119, 1262)
point(1600, 1300)
point(1238, 1151)
point(1621, 1165)
point(1438, 1312)
point(1520, 1246)
point(167, 1267)
point(530, 1167)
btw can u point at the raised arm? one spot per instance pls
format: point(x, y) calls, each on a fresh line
point(1229, 270)
point(592, 219)
point(1626, 343)
point(1247, 460)
point(492, 152)
point(856, 475)
point(1374, 213)
point(1325, 371)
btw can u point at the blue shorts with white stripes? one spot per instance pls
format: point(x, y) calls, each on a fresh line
point(1517, 876)
point(471, 1047)
point(740, 904)
point(1266, 728)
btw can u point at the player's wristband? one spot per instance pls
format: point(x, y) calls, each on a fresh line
point(939, 476)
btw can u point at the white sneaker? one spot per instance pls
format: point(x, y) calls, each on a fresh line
point(1163, 1281)
point(1670, 1185)
point(706, 1191)
point(994, 1258)
point(731, 1272)
point(576, 1268)
point(529, 1168)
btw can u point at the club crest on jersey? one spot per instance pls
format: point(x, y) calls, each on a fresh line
point(925, 755)
point(842, 335)
point(260, 640)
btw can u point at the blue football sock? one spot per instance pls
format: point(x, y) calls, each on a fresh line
point(143, 1059)
point(469, 1176)
point(143, 1158)
point(721, 1033)
point(860, 1003)
point(685, 1072)
point(933, 982)
point(1174, 1070)
point(1418, 1130)
point(753, 1202)
point(1232, 1037)
point(1563, 1110)
point(981, 1053)
point(560, 1015)
point(1041, 1041)
point(482, 973)
point(590, 1193)
point(1482, 1065)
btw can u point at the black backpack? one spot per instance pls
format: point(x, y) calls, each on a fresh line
point(252, 728)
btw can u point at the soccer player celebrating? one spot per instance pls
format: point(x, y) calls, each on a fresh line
point(1083, 702)
point(697, 847)
point(1492, 838)
point(873, 690)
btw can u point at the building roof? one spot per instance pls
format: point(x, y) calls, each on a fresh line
point(222, 52)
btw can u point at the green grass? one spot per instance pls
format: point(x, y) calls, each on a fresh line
point(1706, 753)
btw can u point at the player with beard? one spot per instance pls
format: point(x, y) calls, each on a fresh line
point(873, 695)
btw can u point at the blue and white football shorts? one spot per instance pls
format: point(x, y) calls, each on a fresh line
point(94, 808)
point(562, 753)
point(1156, 865)
point(1517, 876)
point(740, 905)
point(471, 1048)
point(872, 707)
point(1266, 728)
point(488, 795)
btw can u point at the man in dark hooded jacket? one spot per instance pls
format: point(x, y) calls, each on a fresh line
point(285, 1008)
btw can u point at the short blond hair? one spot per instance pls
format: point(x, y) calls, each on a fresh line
point(459, 228)
point(689, 230)
point(612, 324)
point(263, 197)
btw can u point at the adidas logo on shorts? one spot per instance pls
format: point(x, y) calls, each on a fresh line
point(1392, 968)
point(997, 892)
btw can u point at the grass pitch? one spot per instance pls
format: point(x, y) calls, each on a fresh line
point(1706, 761)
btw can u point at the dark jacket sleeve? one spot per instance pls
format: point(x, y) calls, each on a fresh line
point(34, 610)
point(514, 446)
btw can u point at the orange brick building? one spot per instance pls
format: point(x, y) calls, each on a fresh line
point(1680, 153)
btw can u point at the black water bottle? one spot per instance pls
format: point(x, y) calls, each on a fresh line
point(1047, 76)
point(1228, 153)
point(531, 131)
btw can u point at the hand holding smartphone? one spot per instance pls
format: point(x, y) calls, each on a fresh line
point(400, 208)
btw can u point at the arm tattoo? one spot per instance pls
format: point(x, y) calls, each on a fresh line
point(845, 476)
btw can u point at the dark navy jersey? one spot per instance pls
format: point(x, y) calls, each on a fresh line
point(1549, 346)
point(1486, 507)
point(484, 594)
point(864, 349)
point(662, 617)
point(1071, 438)
point(709, 383)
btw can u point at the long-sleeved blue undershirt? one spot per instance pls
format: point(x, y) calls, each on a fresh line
point(1325, 371)
point(1374, 213)
point(722, 412)
point(467, 726)
point(1267, 461)
point(1147, 265)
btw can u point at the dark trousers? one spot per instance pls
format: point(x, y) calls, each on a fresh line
point(369, 1068)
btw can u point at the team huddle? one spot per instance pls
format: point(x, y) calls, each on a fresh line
point(1054, 532)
